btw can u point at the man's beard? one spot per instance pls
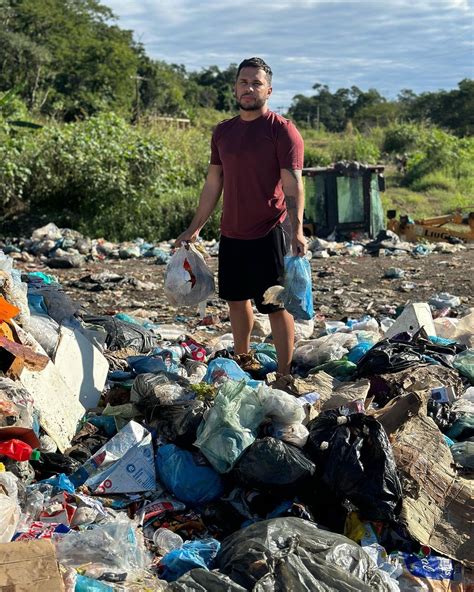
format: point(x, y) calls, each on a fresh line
point(255, 106)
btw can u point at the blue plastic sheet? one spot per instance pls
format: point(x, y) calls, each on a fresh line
point(298, 295)
point(198, 553)
point(188, 479)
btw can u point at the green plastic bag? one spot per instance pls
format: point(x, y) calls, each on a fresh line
point(464, 363)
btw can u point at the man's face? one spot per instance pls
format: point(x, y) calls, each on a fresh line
point(252, 89)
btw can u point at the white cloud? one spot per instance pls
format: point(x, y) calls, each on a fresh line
point(418, 44)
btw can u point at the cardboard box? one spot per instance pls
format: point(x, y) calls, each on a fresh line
point(29, 566)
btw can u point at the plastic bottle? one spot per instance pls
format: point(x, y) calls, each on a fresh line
point(166, 540)
point(18, 450)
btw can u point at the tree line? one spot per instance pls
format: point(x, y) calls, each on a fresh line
point(68, 59)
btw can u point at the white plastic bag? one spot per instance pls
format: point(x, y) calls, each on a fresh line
point(324, 349)
point(9, 509)
point(188, 280)
point(291, 433)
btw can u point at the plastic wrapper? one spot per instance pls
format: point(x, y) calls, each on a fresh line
point(294, 554)
point(426, 574)
point(198, 553)
point(188, 280)
point(270, 464)
point(186, 476)
point(229, 427)
point(115, 546)
point(9, 508)
point(354, 459)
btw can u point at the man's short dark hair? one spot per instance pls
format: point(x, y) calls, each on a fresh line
point(256, 63)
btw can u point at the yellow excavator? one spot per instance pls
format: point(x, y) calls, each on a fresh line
point(433, 229)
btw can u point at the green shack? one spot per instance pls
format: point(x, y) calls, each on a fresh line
point(343, 199)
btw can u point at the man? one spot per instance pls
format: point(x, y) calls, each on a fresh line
point(257, 159)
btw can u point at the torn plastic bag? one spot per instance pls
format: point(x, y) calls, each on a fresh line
point(178, 422)
point(150, 389)
point(316, 352)
point(294, 554)
point(354, 461)
point(229, 427)
point(270, 464)
point(405, 351)
point(221, 369)
point(186, 475)
point(291, 433)
point(202, 580)
point(197, 553)
point(121, 335)
point(46, 332)
point(9, 507)
point(463, 454)
point(281, 407)
point(116, 547)
point(188, 280)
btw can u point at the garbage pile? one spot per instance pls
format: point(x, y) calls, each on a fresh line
point(62, 248)
point(138, 456)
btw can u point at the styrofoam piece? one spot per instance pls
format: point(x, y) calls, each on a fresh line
point(82, 366)
point(413, 317)
point(59, 408)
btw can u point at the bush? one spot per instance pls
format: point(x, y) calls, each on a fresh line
point(402, 138)
point(436, 180)
point(314, 157)
point(355, 147)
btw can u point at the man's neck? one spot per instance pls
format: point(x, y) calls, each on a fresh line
point(251, 115)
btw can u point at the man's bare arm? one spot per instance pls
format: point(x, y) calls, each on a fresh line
point(293, 189)
point(210, 195)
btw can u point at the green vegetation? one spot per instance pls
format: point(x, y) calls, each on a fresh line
point(83, 142)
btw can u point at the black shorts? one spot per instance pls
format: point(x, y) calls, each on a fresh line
point(249, 267)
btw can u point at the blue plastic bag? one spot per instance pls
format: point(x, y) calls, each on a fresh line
point(356, 353)
point(188, 480)
point(198, 553)
point(224, 368)
point(298, 295)
point(161, 361)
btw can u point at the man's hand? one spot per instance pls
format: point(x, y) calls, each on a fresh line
point(299, 245)
point(186, 237)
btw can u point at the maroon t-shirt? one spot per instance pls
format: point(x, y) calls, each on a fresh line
point(252, 154)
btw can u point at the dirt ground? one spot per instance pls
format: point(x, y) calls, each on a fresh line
point(343, 286)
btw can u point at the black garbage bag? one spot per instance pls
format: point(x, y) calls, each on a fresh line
point(354, 461)
point(178, 422)
point(51, 463)
point(121, 334)
point(272, 465)
point(405, 351)
point(203, 580)
point(286, 554)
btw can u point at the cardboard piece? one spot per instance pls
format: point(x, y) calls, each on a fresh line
point(59, 408)
point(413, 317)
point(29, 566)
point(82, 366)
point(125, 464)
point(437, 507)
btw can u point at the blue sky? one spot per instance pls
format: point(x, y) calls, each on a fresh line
point(389, 45)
